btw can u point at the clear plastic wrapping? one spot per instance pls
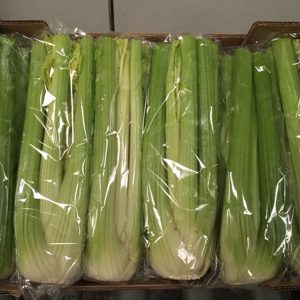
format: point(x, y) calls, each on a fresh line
point(286, 56)
point(13, 85)
point(255, 224)
point(180, 157)
point(53, 176)
point(172, 159)
point(114, 242)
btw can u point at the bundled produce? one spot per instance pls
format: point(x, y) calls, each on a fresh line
point(236, 226)
point(53, 176)
point(287, 68)
point(253, 230)
point(116, 133)
point(115, 216)
point(179, 158)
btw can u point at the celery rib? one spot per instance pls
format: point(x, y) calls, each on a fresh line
point(240, 217)
point(7, 151)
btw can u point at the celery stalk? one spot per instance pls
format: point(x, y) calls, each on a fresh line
point(7, 157)
point(240, 216)
point(122, 126)
point(103, 189)
point(32, 260)
point(55, 101)
point(66, 230)
point(226, 116)
point(160, 226)
point(22, 65)
point(134, 224)
point(185, 199)
point(208, 74)
point(271, 241)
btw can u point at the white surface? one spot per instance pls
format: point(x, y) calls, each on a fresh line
point(195, 16)
point(89, 15)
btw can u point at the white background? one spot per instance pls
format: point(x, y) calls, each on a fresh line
point(195, 16)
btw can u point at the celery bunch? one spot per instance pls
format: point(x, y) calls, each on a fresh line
point(179, 165)
point(114, 228)
point(253, 227)
point(52, 187)
point(287, 68)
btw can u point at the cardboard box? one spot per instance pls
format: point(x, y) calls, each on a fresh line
point(258, 32)
point(267, 30)
point(26, 27)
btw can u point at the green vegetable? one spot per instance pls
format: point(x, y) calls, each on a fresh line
point(7, 159)
point(181, 203)
point(55, 139)
point(240, 216)
point(50, 216)
point(159, 223)
point(271, 239)
point(21, 69)
point(181, 140)
point(32, 261)
point(253, 231)
point(114, 229)
point(289, 86)
point(227, 114)
point(21, 65)
point(208, 83)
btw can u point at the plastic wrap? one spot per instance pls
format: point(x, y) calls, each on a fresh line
point(52, 190)
point(180, 157)
point(13, 62)
point(255, 226)
point(122, 135)
point(114, 242)
point(286, 56)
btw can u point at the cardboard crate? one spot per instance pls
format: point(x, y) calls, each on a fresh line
point(258, 32)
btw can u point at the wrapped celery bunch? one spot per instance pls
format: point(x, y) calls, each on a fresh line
point(255, 213)
point(180, 157)
point(115, 223)
point(53, 176)
point(286, 56)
